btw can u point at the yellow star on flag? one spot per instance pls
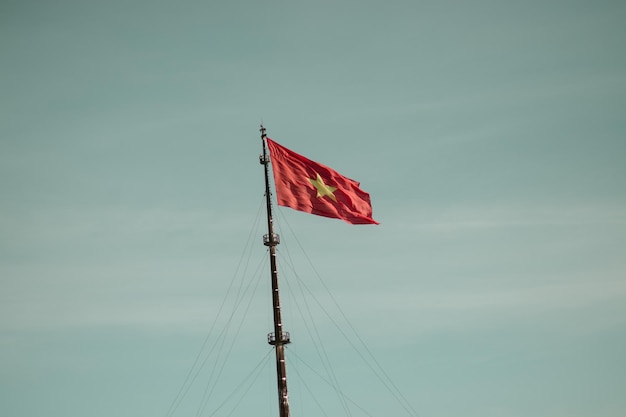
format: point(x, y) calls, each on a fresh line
point(323, 190)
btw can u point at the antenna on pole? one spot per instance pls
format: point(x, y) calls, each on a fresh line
point(278, 338)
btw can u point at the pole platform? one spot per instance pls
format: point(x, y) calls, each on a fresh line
point(271, 338)
point(274, 241)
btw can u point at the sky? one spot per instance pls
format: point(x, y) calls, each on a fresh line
point(489, 134)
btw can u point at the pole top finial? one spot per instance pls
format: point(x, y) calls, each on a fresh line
point(262, 130)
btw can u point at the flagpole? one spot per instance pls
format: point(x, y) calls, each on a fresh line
point(278, 338)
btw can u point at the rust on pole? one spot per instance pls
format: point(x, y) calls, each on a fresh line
point(278, 338)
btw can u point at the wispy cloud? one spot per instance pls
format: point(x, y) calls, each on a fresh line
point(460, 217)
point(577, 308)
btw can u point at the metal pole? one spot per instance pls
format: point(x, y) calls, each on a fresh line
point(279, 338)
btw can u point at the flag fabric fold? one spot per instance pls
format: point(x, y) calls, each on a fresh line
point(309, 186)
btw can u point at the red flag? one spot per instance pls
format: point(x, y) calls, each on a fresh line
point(314, 188)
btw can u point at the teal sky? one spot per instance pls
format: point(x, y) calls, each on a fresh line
point(490, 135)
